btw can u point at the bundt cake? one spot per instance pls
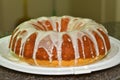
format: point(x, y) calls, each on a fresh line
point(60, 41)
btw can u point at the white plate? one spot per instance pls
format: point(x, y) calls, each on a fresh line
point(6, 60)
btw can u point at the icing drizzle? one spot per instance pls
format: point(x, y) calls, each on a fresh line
point(76, 29)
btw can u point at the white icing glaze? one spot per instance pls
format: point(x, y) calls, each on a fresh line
point(76, 29)
point(75, 44)
point(57, 41)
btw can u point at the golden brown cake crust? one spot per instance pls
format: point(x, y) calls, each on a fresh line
point(64, 63)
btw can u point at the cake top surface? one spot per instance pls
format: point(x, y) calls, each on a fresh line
point(60, 24)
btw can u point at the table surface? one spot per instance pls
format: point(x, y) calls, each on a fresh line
point(107, 74)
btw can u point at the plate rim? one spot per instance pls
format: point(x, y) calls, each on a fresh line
point(66, 70)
